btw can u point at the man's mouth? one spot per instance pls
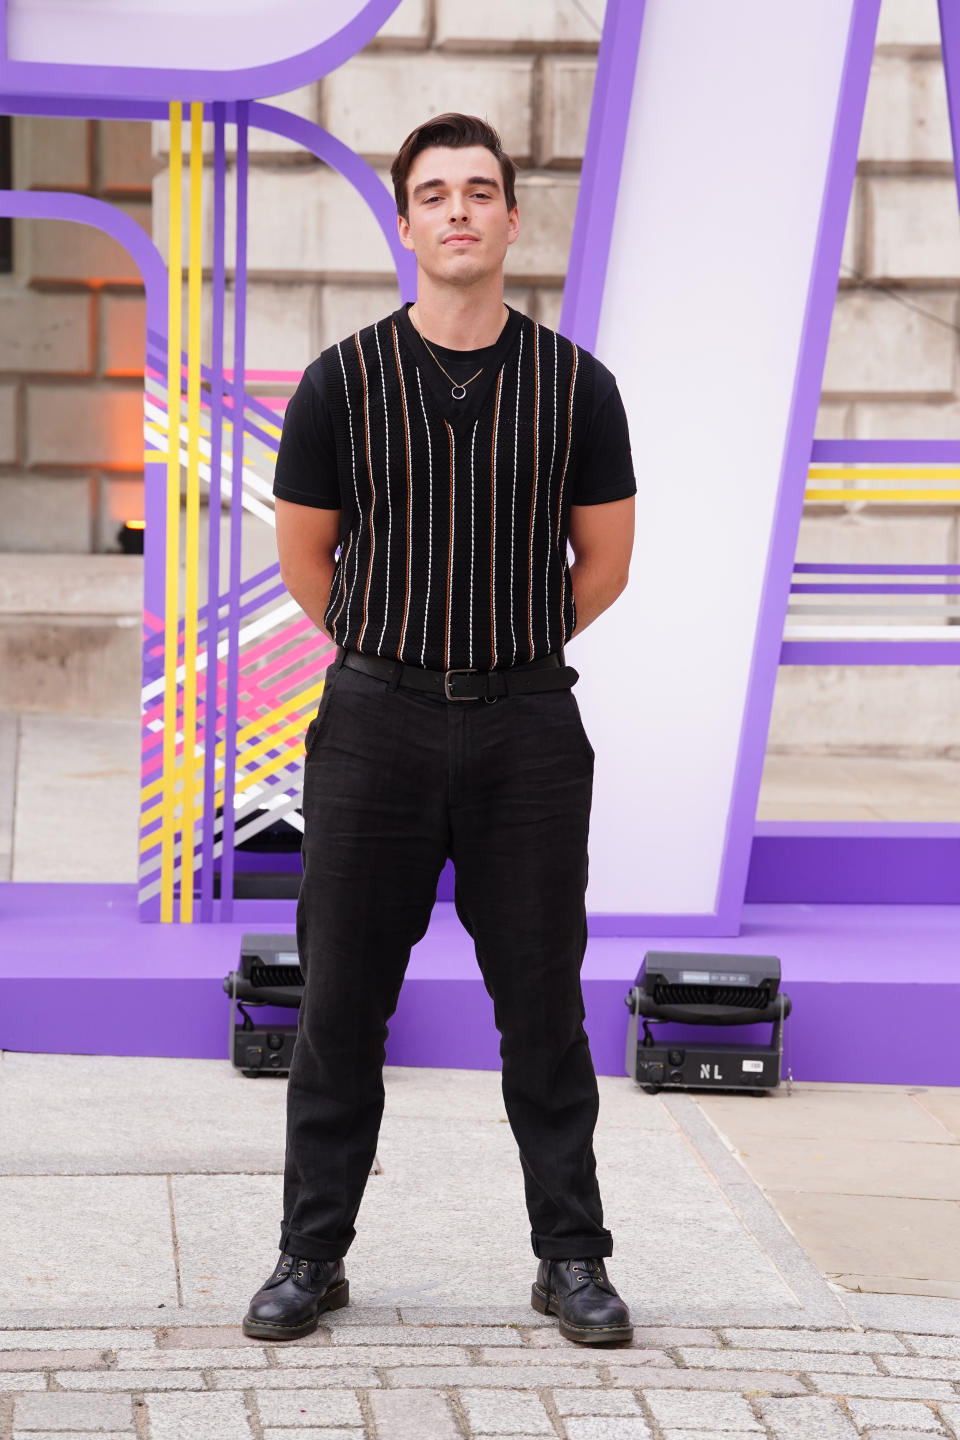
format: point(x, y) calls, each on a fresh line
point(460, 240)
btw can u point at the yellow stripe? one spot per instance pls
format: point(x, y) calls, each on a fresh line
point(255, 727)
point(886, 472)
point(945, 497)
point(245, 779)
point(192, 556)
point(171, 598)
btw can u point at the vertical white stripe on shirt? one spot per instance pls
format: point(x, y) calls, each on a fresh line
point(406, 431)
point(356, 493)
point(453, 512)
point(493, 525)
point(533, 499)
point(553, 456)
point(563, 476)
point(373, 538)
point(473, 441)
point(426, 426)
point(513, 506)
point(386, 437)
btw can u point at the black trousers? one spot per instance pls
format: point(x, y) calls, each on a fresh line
point(394, 783)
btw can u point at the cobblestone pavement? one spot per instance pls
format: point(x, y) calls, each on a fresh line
point(383, 1374)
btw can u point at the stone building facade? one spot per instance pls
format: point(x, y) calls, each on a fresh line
point(318, 267)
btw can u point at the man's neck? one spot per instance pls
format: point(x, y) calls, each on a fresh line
point(467, 318)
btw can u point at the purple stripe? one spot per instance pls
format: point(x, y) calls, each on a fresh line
point(853, 589)
point(870, 652)
point(600, 174)
point(792, 480)
point(214, 511)
point(226, 390)
point(236, 515)
point(271, 573)
point(810, 569)
point(890, 452)
point(275, 78)
point(156, 356)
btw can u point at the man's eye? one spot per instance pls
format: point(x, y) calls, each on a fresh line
point(480, 195)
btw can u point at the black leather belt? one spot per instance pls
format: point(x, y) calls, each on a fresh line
point(547, 673)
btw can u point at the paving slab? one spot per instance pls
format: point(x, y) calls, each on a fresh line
point(889, 1241)
point(81, 1238)
point(86, 769)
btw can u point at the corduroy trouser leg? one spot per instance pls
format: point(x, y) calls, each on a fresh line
point(394, 783)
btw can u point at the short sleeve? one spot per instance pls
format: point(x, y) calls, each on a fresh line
point(605, 468)
point(306, 469)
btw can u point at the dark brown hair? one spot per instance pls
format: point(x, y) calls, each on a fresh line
point(456, 132)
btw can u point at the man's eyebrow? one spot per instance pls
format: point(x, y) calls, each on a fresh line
point(438, 184)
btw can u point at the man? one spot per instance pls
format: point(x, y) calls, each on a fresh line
point(431, 469)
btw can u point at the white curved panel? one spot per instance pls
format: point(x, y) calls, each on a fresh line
point(172, 34)
point(713, 247)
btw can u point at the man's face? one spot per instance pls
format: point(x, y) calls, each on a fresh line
point(459, 225)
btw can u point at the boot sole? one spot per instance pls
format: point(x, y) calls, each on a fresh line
point(545, 1304)
point(334, 1299)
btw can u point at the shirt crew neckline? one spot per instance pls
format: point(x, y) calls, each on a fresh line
point(491, 357)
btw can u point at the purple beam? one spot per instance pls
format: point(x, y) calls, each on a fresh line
point(870, 652)
point(365, 180)
point(600, 176)
point(808, 567)
point(129, 82)
point(950, 38)
point(808, 381)
point(213, 514)
point(236, 517)
point(886, 452)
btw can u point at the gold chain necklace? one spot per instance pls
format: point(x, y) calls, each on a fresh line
point(461, 388)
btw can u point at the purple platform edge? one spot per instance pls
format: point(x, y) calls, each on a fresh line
point(875, 988)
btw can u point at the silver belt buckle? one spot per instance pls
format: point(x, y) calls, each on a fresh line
point(463, 671)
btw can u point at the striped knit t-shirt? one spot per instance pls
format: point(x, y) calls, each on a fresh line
point(454, 514)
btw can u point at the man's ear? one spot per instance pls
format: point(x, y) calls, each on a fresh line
point(403, 230)
point(513, 225)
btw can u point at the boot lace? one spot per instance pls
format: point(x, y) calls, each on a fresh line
point(590, 1269)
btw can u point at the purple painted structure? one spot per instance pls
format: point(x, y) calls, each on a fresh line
point(862, 917)
point(874, 988)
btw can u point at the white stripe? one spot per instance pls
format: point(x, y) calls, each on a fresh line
point(453, 513)
point(513, 508)
point(566, 458)
point(536, 466)
point(373, 533)
point(386, 429)
point(473, 440)
point(426, 613)
point(356, 493)
point(553, 456)
point(406, 431)
point(346, 562)
point(247, 633)
point(493, 527)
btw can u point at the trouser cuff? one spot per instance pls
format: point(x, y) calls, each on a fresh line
point(572, 1247)
point(308, 1249)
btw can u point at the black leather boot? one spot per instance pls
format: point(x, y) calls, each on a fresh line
point(579, 1292)
point(290, 1303)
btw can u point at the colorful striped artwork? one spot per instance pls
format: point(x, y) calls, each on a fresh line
point(230, 681)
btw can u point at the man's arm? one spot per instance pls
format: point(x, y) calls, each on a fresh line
point(307, 539)
point(602, 540)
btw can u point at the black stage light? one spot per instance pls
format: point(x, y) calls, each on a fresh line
point(269, 974)
point(130, 537)
point(678, 987)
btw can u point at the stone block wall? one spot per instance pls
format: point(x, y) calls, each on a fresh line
point(319, 267)
point(71, 345)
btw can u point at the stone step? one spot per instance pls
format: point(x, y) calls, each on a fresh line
point(70, 634)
